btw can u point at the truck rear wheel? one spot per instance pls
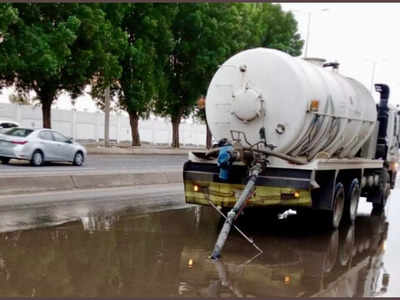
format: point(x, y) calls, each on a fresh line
point(351, 202)
point(379, 196)
point(334, 216)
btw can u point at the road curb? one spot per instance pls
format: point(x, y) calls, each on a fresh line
point(50, 183)
point(137, 151)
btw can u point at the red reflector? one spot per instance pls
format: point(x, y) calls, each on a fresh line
point(19, 142)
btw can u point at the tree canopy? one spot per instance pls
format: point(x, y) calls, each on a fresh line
point(154, 57)
point(149, 43)
point(51, 48)
point(205, 35)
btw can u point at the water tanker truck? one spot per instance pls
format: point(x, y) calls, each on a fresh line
point(293, 133)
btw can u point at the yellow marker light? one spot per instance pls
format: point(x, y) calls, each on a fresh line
point(286, 279)
point(196, 188)
point(190, 263)
point(290, 195)
point(314, 105)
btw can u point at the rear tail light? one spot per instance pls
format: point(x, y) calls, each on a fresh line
point(19, 142)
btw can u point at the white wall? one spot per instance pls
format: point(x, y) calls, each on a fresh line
point(90, 126)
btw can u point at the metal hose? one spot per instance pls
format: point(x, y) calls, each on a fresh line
point(280, 155)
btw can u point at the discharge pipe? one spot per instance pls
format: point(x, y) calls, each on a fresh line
point(283, 156)
point(226, 229)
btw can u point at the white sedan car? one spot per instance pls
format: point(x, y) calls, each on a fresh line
point(39, 146)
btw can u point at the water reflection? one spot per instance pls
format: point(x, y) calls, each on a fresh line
point(298, 261)
point(166, 254)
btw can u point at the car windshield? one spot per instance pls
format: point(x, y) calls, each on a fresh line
point(21, 132)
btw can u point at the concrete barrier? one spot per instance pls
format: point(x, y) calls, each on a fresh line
point(25, 184)
point(18, 185)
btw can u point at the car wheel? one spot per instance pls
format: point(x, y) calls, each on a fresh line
point(78, 159)
point(37, 158)
point(5, 160)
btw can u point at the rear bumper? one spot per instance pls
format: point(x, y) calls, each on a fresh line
point(226, 195)
point(203, 185)
point(15, 153)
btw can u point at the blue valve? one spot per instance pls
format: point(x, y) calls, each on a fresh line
point(225, 162)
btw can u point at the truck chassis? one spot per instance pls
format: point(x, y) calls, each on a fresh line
point(324, 187)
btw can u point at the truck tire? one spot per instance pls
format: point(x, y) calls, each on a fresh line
point(379, 196)
point(332, 218)
point(353, 193)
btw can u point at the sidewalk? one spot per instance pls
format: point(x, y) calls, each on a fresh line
point(98, 148)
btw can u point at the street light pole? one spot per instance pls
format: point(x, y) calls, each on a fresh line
point(107, 117)
point(373, 76)
point(308, 34)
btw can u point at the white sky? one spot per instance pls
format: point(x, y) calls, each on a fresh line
point(354, 34)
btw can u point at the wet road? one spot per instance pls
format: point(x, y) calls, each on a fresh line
point(103, 163)
point(121, 249)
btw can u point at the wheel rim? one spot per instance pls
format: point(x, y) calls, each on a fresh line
point(78, 159)
point(339, 205)
point(37, 158)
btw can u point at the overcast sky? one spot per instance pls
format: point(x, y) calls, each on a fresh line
point(356, 35)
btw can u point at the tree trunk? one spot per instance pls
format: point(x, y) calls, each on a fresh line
point(46, 113)
point(208, 137)
point(134, 120)
point(46, 96)
point(175, 131)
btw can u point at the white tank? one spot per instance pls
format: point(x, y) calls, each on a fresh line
point(304, 108)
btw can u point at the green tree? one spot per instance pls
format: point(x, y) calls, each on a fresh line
point(274, 28)
point(206, 35)
point(149, 43)
point(203, 35)
point(8, 16)
point(115, 13)
point(58, 47)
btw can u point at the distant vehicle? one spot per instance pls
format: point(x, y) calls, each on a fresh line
point(39, 146)
point(6, 125)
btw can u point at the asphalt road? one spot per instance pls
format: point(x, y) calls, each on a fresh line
point(100, 163)
point(131, 242)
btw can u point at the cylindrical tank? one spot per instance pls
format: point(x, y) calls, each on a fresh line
point(304, 109)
